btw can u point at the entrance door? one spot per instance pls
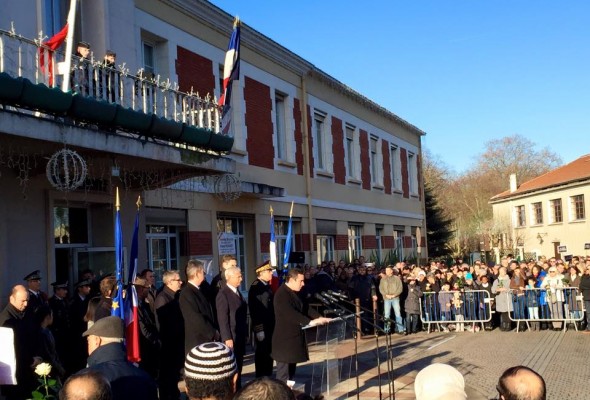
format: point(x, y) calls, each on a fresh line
point(162, 248)
point(234, 228)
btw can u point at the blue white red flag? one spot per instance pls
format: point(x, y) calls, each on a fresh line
point(231, 72)
point(273, 241)
point(117, 307)
point(131, 301)
point(287, 251)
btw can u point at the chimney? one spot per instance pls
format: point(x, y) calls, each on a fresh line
point(513, 185)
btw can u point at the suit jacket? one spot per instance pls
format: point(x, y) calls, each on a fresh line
point(199, 326)
point(171, 327)
point(232, 316)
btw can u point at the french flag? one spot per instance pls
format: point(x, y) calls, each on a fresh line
point(132, 302)
point(231, 72)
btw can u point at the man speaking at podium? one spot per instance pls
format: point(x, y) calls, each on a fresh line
point(288, 340)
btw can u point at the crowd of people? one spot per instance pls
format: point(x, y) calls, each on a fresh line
point(79, 338)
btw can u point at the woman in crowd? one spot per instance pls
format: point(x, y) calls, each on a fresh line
point(553, 284)
point(501, 288)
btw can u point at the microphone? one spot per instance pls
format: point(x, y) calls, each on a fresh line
point(322, 299)
point(330, 297)
point(341, 296)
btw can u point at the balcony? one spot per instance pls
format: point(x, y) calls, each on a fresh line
point(139, 117)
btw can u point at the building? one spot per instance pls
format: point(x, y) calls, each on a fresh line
point(547, 215)
point(351, 168)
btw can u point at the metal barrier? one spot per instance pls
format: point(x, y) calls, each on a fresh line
point(558, 306)
point(455, 309)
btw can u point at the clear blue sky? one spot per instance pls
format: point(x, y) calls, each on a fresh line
point(463, 71)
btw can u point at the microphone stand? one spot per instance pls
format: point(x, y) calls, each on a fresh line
point(376, 329)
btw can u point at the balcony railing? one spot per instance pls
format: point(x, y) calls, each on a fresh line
point(141, 92)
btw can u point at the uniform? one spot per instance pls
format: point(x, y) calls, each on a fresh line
point(260, 302)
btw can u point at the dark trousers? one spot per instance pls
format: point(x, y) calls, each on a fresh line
point(262, 359)
point(285, 371)
point(412, 323)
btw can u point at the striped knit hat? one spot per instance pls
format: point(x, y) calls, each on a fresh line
point(210, 362)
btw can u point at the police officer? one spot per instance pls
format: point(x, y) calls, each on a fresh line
point(260, 302)
point(37, 298)
point(61, 319)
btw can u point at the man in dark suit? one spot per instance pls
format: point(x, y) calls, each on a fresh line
point(37, 298)
point(169, 319)
point(226, 261)
point(260, 302)
point(232, 316)
point(288, 340)
point(149, 337)
point(199, 325)
point(78, 307)
point(60, 328)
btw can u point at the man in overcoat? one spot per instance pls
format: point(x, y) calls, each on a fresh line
point(288, 341)
point(262, 313)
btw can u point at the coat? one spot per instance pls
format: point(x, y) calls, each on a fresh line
point(262, 311)
point(288, 339)
point(127, 381)
point(171, 327)
point(199, 325)
point(412, 303)
point(504, 298)
point(232, 317)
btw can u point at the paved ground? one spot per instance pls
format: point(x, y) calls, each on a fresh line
point(560, 357)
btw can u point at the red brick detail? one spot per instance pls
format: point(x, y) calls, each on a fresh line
point(369, 242)
point(298, 136)
point(341, 242)
point(386, 166)
point(264, 242)
point(259, 123)
point(310, 143)
point(387, 242)
point(338, 151)
point(200, 243)
point(194, 72)
point(302, 241)
point(407, 242)
point(315, 242)
point(419, 169)
point(365, 160)
point(404, 172)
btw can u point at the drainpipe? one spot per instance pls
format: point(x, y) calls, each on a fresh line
point(306, 163)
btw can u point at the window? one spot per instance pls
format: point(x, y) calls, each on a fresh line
point(280, 126)
point(281, 228)
point(537, 213)
point(163, 249)
point(398, 235)
point(578, 211)
point(149, 64)
point(355, 244)
point(520, 216)
point(350, 152)
point(325, 244)
point(70, 226)
point(413, 173)
point(319, 140)
point(396, 178)
point(556, 213)
point(234, 229)
point(374, 160)
point(379, 240)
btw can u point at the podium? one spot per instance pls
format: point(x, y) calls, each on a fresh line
point(333, 368)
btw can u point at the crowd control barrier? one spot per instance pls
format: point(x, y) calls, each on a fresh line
point(459, 310)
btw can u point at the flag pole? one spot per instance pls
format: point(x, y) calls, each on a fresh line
point(69, 48)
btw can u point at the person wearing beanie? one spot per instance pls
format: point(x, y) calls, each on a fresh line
point(210, 372)
point(107, 355)
point(439, 382)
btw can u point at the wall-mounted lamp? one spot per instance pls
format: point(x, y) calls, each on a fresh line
point(540, 236)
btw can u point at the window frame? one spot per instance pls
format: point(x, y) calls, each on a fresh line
point(319, 127)
point(520, 216)
point(578, 208)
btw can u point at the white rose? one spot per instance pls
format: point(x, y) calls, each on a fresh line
point(43, 369)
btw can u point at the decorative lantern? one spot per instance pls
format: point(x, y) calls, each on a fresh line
point(66, 170)
point(228, 187)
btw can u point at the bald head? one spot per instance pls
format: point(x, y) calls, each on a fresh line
point(521, 383)
point(19, 297)
point(89, 385)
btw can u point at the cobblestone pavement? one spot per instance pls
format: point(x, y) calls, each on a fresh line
point(560, 357)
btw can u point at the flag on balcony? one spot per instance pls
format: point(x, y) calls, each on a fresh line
point(131, 301)
point(51, 45)
point(273, 241)
point(287, 251)
point(117, 307)
point(231, 72)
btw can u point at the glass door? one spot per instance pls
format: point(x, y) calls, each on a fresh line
point(162, 248)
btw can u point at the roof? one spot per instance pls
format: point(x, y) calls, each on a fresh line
point(577, 170)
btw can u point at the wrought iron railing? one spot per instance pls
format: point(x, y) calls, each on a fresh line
point(143, 92)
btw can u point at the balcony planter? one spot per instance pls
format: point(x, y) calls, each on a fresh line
point(131, 120)
point(221, 143)
point(195, 136)
point(10, 88)
point(166, 129)
point(42, 98)
point(90, 109)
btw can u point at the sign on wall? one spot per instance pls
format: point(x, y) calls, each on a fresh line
point(586, 246)
point(562, 249)
point(226, 243)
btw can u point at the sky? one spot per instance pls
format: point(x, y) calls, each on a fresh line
point(464, 71)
